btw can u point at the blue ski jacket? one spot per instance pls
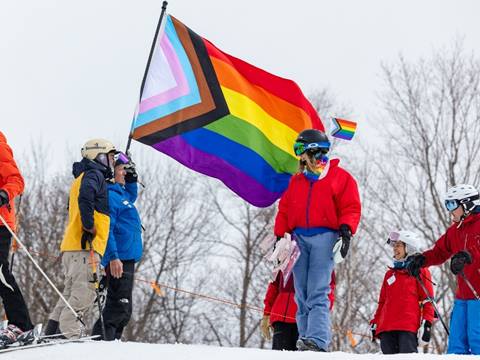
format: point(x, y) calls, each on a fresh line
point(125, 237)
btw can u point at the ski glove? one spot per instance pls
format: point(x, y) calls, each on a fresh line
point(266, 328)
point(415, 263)
point(427, 331)
point(373, 329)
point(131, 175)
point(4, 200)
point(459, 260)
point(345, 234)
point(87, 237)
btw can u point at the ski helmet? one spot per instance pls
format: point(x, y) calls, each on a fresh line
point(409, 238)
point(97, 150)
point(311, 140)
point(463, 195)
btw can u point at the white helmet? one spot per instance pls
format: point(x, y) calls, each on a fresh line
point(409, 238)
point(465, 195)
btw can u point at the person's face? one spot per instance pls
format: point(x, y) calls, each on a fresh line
point(457, 214)
point(120, 174)
point(399, 252)
point(111, 158)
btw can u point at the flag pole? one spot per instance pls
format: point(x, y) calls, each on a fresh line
point(152, 49)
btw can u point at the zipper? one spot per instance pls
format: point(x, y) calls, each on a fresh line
point(308, 202)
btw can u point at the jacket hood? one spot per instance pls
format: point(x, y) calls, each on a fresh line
point(3, 139)
point(80, 167)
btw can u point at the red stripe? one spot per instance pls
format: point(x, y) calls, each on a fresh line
point(283, 88)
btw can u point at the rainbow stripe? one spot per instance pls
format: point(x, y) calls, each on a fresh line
point(344, 129)
point(221, 116)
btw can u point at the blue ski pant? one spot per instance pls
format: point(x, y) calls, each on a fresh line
point(465, 328)
point(312, 274)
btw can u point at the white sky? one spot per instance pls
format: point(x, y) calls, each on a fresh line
point(71, 70)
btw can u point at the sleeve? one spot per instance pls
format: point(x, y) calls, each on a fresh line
point(86, 199)
point(440, 252)
point(348, 203)
point(281, 221)
point(13, 180)
point(271, 295)
point(132, 191)
point(112, 242)
point(381, 301)
point(427, 309)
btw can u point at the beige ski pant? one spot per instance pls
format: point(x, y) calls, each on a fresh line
point(79, 291)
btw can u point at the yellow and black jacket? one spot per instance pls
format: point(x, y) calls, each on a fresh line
point(88, 207)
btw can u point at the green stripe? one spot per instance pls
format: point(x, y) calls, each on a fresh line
point(251, 137)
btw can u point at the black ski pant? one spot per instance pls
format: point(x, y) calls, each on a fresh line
point(285, 336)
point(398, 342)
point(13, 302)
point(118, 305)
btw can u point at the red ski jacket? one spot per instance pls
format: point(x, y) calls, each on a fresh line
point(465, 237)
point(327, 202)
point(280, 300)
point(402, 304)
point(10, 180)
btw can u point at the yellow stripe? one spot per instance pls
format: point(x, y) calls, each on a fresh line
point(244, 108)
point(352, 129)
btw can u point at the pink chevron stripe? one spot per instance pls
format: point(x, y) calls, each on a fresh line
point(182, 87)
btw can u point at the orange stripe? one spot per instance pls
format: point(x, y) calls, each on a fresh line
point(291, 115)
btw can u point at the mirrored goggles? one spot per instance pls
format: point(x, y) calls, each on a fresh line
point(452, 204)
point(121, 159)
point(393, 237)
point(299, 147)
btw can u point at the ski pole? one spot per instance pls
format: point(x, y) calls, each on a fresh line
point(432, 301)
point(469, 284)
point(97, 285)
point(41, 271)
point(14, 245)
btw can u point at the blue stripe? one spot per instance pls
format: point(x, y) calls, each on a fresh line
point(192, 98)
point(239, 156)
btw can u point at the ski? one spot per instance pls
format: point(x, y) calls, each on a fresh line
point(16, 346)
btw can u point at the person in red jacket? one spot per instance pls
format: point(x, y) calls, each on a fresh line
point(403, 303)
point(461, 243)
point(320, 206)
point(11, 185)
point(279, 313)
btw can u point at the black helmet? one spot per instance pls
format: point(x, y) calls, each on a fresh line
point(311, 140)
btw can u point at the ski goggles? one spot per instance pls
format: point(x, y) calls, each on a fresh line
point(393, 237)
point(452, 204)
point(121, 159)
point(299, 147)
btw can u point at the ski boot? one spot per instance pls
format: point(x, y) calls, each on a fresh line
point(304, 344)
point(9, 335)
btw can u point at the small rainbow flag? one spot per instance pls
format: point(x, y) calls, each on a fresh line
point(221, 116)
point(344, 129)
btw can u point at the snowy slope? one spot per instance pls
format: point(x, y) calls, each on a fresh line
point(139, 351)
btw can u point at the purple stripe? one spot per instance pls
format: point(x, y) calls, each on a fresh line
point(240, 183)
point(182, 87)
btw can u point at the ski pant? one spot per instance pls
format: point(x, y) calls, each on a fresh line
point(312, 275)
point(465, 328)
point(79, 291)
point(398, 342)
point(13, 301)
point(285, 336)
point(118, 306)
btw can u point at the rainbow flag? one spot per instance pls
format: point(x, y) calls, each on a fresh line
point(221, 116)
point(343, 129)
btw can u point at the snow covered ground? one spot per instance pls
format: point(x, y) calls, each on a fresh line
point(139, 351)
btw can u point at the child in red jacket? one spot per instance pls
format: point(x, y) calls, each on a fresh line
point(320, 206)
point(279, 313)
point(402, 303)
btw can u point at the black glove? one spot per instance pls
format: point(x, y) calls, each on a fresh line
point(87, 237)
point(459, 260)
point(427, 331)
point(131, 175)
point(373, 329)
point(4, 200)
point(345, 234)
point(415, 263)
